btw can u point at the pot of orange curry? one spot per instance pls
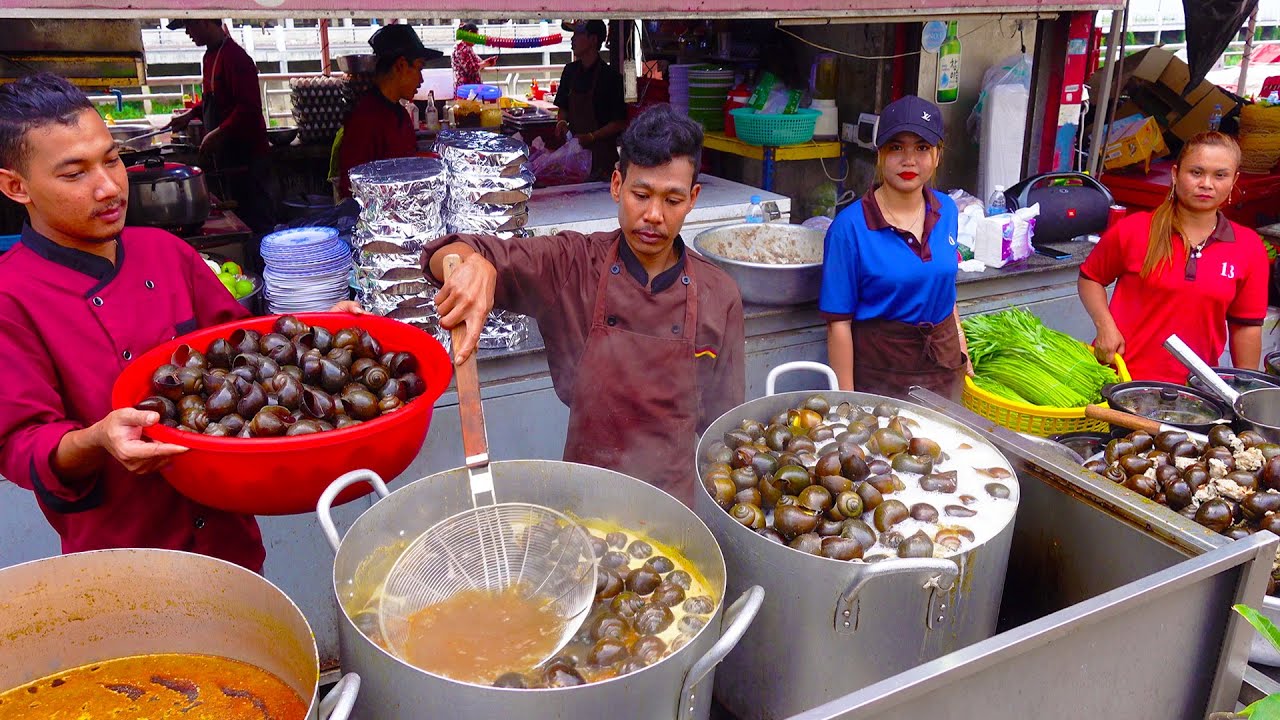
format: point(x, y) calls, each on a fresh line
point(160, 634)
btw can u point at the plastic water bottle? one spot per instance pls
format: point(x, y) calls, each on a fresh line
point(1215, 118)
point(996, 204)
point(755, 213)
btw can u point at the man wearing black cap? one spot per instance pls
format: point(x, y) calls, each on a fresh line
point(379, 127)
point(231, 110)
point(591, 101)
point(644, 338)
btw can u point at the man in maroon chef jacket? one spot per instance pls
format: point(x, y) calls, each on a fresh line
point(644, 339)
point(236, 131)
point(80, 296)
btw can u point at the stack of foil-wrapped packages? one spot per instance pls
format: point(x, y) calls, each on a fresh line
point(481, 185)
point(489, 190)
point(402, 209)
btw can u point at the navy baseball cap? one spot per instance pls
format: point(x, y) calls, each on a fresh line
point(401, 41)
point(910, 114)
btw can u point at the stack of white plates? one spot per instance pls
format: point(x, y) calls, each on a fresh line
point(679, 86)
point(306, 269)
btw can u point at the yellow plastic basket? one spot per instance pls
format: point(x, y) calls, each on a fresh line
point(1035, 419)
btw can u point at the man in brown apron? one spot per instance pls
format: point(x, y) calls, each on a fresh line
point(644, 340)
point(590, 98)
point(235, 147)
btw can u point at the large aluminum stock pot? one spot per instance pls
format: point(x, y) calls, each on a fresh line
point(63, 612)
point(678, 686)
point(829, 627)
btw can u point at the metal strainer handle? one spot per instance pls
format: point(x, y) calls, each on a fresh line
point(475, 439)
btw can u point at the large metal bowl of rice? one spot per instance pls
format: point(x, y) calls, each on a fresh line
point(773, 263)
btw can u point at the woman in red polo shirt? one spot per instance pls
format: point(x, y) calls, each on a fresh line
point(1183, 269)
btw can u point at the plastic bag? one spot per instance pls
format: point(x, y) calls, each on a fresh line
point(536, 149)
point(1014, 70)
point(818, 222)
point(967, 225)
point(777, 102)
point(568, 165)
point(963, 200)
point(1003, 239)
point(760, 95)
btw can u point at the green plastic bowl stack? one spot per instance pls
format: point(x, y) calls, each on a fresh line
point(709, 88)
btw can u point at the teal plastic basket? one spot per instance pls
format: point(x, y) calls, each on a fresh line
point(774, 129)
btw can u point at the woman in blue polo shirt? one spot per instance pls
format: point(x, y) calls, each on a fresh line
point(889, 274)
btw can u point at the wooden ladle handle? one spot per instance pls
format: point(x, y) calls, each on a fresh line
point(1123, 419)
point(475, 441)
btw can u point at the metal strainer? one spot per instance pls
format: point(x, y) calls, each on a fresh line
point(541, 553)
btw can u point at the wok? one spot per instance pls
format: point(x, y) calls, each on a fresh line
point(1257, 410)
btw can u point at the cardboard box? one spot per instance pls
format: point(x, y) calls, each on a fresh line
point(1177, 76)
point(1196, 120)
point(1159, 87)
point(1150, 64)
point(1147, 65)
point(1132, 140)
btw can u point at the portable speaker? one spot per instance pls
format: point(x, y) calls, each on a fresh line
point(1075, 207)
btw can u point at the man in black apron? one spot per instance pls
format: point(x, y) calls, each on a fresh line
point(590, 99)
point(235, 145)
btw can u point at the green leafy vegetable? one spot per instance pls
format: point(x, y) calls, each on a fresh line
point(1018, 358)
point(1268, 708)
point(995, 388)
point(1261, 623)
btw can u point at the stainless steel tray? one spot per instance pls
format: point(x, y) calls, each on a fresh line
point(1113, 607)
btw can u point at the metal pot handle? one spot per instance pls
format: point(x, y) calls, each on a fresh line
point(324, 506)
point(942, 576)
point(341, 699)
point(784, 368)
point(737, 618)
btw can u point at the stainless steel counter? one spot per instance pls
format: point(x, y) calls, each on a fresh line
point(1103, 613)
point(527, 420)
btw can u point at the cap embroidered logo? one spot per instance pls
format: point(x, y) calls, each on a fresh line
point(925, 117)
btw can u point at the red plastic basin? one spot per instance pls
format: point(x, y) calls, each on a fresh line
point(285, 475)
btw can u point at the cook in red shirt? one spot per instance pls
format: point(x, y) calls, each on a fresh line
point(80, 297)
point(379, 128)
point(235, 143)
point(1183, 269)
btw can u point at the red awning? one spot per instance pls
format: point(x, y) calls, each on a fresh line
point(616, 9)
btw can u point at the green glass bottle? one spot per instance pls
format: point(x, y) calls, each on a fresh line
point(949, 67)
